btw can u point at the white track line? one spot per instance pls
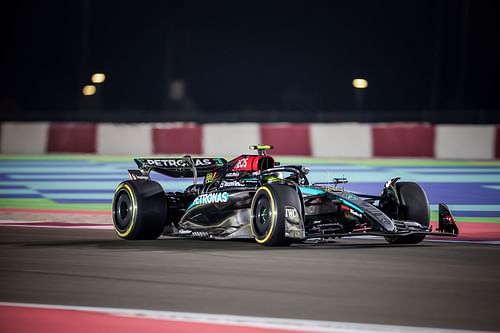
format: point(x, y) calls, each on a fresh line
point(247, 321)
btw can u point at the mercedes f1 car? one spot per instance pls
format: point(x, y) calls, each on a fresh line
point(253, 196)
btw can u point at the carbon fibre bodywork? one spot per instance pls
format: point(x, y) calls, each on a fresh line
point(224, 205)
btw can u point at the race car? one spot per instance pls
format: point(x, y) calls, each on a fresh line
point(253, 196)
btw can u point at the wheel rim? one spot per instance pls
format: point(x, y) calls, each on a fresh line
point(262, 216)
point(122, 210)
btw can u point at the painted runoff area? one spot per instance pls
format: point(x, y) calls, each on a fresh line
point(23, 318)
point(84, 186)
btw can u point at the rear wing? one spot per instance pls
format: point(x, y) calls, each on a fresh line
point(186, 166)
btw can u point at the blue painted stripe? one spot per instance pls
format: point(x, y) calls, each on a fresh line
point(76, 191)
point(475, 214)
point(12, 187)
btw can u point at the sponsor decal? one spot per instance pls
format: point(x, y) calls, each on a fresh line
point(355, 213)
point(241, 163)
point(178, 162)
point(210, 177)
point(215, 197)
point(234, 174)
point(230, 184)
point(291, 214)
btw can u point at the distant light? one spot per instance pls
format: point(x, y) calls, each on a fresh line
point(359, 83)
point(89, 90)
point(98, 78)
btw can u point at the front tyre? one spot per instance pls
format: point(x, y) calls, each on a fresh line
point(139, 209)
point(268, 213)
point(414, 206)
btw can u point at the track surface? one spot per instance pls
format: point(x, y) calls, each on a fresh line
point(433, 284)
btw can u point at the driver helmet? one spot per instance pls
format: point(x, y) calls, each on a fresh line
point(272, 178)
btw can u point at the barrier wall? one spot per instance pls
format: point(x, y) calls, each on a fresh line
point(342, 140)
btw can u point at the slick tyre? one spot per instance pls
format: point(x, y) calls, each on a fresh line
point(267, 218)
point(139, 209)
point(414, 206)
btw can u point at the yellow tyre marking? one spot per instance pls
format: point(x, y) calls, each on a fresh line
point(134, 209)
point(273, 215)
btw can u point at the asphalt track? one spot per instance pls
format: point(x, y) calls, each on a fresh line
point(433, 284)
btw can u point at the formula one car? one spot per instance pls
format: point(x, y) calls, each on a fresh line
point(253, 196)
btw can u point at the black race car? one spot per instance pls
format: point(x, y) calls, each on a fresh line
point(253, 196)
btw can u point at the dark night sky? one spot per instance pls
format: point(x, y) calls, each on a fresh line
point(265, 55)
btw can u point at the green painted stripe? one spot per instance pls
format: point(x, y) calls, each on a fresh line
point(484, 208)
point(478, 219)
point(49, 204)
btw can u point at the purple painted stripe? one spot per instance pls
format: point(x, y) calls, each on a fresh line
point(83, 201)
point(111, 191)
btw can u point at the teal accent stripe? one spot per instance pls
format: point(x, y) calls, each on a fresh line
point(311, 191)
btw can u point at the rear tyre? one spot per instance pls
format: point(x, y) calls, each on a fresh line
point(268, 213)
point(139, 209)
point(414, 206)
